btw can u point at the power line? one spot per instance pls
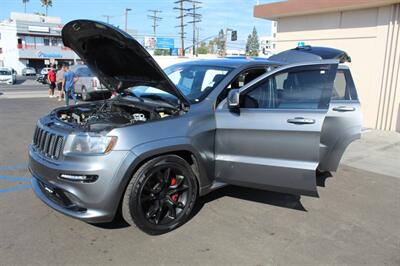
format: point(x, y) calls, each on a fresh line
point(155, 19)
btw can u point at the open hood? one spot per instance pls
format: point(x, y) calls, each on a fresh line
point(117, 59)
point(310, 53)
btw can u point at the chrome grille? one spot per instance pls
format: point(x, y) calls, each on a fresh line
point(47, 143)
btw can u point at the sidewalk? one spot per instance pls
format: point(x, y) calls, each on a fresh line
point(376, 151)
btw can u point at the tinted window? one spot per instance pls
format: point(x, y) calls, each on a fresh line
point(296, 89)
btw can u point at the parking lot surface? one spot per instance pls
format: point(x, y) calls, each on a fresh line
point(354, 221)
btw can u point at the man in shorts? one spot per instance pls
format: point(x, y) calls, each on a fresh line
point(51, 78)
point(59, 81)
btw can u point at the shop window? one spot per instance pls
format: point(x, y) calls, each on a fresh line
point(54, 42)
point(46, 42)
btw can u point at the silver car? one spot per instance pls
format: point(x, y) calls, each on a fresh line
point(173, 136)
point(88, 86)
point(8, 75)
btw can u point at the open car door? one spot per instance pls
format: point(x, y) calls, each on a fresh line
point(272, 141)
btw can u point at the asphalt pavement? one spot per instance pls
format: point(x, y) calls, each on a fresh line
point(25, 88)
point(356, 219)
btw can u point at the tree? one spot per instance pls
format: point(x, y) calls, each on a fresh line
point(252, 45)
point(203, 48)
point(47, 3)
point(221, 43)
point(25, 2)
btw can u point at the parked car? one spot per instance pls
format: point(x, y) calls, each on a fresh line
point(8, 75)
point(173, 136)
point(88, 86)
point(29, 71)
point(42, 76)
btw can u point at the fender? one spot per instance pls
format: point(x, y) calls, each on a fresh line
point(145, 151)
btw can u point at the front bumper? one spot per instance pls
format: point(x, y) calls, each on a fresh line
point(95, 202)
point(8, 81)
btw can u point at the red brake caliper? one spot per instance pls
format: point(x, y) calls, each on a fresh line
point(174, 197)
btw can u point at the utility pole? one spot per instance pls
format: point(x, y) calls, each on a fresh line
point(108, 18)
point(155, 19)
point(226, 40)
point(126, 18)
point(196, 18)
point(182, 22)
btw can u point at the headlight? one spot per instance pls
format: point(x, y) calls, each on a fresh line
point(89, 144)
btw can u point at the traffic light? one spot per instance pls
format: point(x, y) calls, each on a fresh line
point(234, 35)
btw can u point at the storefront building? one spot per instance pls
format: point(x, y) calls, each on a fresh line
point(30, 40)
point(368, 30)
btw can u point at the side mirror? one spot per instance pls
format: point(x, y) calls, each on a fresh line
point(233, 99)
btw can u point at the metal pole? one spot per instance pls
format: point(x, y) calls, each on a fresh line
point(182, 30)
point(126, 18)
point(194, 28)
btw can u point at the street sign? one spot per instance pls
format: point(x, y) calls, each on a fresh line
point(165, 43)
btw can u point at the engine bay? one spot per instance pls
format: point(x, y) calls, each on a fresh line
point(110, 114)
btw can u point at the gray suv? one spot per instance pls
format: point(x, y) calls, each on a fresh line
point(174, 135)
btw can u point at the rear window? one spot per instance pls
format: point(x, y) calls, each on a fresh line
point(83, 72)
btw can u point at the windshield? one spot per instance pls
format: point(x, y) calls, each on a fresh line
point(194, 81)
point(5, 72)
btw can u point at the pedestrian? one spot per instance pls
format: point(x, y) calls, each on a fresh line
point(68, 84)
point(59, 80)
point(51, 78)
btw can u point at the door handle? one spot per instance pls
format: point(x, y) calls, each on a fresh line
point(344, 109)
point(301, 121)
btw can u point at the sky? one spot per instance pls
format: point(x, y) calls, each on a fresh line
point(217, 14)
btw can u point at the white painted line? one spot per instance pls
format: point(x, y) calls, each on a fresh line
point(23, 94)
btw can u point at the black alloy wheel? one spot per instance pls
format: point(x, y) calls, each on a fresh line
point(161, 195)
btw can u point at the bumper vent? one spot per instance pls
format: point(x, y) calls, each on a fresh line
point(48, 143)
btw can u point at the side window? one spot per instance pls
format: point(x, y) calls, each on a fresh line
point(343, 87)
point(295, 89)
point(241, 80)
point(339, 87)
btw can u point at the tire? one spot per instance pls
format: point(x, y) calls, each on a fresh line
point(160, 212)
point(85, 95)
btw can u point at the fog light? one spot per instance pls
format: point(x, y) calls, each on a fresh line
point(80, 178)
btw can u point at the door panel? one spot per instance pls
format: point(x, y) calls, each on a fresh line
point(342, 124)
point(270, 146)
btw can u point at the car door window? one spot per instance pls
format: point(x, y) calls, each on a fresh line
point(242, 79)
point(299, 88)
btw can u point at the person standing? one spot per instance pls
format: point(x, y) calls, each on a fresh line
point(59, 81)
point(51, 78)
point(68, 85)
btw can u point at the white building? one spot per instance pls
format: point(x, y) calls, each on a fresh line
point(32, 40)
point(268, 43)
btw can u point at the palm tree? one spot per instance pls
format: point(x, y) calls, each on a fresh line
point(24, 2)
point(47, 3)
